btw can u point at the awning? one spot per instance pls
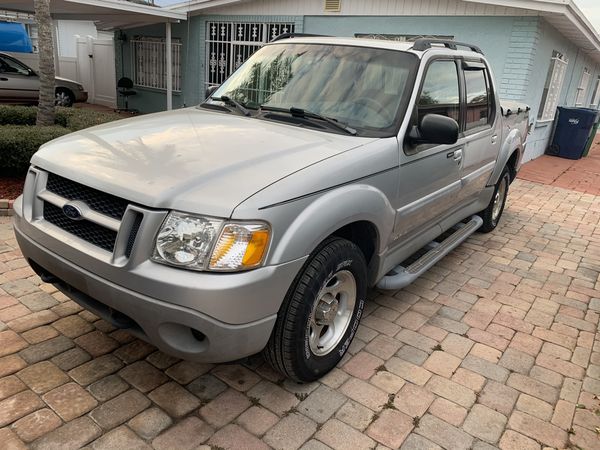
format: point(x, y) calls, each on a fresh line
point(107, 14)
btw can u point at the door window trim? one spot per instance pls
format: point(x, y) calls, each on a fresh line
point(492, 104)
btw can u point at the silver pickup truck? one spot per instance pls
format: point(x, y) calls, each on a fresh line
point(258, 220)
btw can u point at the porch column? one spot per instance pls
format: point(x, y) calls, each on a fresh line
point(169, 67)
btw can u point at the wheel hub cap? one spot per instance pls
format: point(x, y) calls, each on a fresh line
point(326, 310)
point(498, 200)
point(332, 312)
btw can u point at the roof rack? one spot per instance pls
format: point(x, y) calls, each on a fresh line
point(294, 35)
point(426, 43)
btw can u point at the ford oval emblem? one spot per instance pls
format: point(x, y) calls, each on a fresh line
point(72, 212)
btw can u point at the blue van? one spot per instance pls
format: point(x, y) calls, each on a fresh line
point(14, 38)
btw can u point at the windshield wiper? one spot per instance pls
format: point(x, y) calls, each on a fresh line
point(231, 102)
point(302, 113)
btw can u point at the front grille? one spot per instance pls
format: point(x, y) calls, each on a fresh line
point(99, 201)
point(133, 234)
point(84, 229)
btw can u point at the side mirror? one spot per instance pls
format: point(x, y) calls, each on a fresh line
point(211, 90)
point(435, 129)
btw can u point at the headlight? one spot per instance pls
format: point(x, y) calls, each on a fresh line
point(195, 243)
point(240, 246)
point(185, 240)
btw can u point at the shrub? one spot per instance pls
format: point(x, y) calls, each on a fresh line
point(17, 115)
point(76, 119)
point(20, 138)
point(19, 142)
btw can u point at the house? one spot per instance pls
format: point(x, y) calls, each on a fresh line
point(82, 50)
point(543, 52)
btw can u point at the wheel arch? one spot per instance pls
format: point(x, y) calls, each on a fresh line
point(511, 152)
point(361, 214)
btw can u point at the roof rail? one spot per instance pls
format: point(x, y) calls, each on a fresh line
point(294, 35)
point(426, 43)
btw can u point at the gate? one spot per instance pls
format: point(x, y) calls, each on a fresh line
point(229, 44)
point(96, 67)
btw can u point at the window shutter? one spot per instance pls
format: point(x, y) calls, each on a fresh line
point(333, 5)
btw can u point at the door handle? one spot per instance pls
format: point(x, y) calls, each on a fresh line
point(457, 155)
point(494, 138)
point(3, 79)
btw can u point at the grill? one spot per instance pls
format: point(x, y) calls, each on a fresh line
point(133, 234)
point(101, 202)
point(84, 229)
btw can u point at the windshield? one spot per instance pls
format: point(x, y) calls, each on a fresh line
point(358, 86)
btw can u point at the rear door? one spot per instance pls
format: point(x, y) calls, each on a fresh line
point(481, 129)
point(430, 174)
point(17, 83)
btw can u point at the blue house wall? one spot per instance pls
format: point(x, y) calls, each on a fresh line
point(519, 50)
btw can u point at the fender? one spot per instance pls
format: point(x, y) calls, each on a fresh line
point(330, 212)
point(513, 142)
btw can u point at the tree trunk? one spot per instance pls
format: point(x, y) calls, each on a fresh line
point(45, 115)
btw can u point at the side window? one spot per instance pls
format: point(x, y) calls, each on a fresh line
point(9, 65)
point(478, 98)
point(553, 86)
point(440, 92)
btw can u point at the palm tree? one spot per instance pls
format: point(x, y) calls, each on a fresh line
point(45, 114)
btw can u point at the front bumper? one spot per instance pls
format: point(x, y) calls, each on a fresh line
point(80, 96)
point(183, 331)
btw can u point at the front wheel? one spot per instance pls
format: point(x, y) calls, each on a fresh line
point(491, 215)
point(321, 312)
point(64, 97)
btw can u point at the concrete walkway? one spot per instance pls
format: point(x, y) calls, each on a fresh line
point(496, 346)
point(582, 175)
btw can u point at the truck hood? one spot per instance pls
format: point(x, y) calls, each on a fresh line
point(191, 159)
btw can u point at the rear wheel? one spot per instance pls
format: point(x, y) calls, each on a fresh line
point(64, 97)
point(321, 312)
point(491, 215)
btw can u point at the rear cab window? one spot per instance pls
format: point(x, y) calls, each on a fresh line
point(479, 96)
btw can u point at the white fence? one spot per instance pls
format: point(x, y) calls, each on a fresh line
point(96, 70)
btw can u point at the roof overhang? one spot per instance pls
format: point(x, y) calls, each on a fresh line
point(563, 15)
point(107, 14)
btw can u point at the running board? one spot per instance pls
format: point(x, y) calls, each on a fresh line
point(402, 276)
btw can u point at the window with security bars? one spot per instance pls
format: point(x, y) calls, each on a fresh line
point(150, 62)
point(583, 87)
point(553, 86)
point(229, 44)
point(596, 94)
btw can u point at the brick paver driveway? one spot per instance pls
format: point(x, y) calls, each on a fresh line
point(495, 346)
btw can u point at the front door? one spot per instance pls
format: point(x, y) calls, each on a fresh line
point(430, 182)
point(18, 83)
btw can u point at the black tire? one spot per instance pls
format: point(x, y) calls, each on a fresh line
point(64, 97)
point(491, 220)
point(289, 348)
